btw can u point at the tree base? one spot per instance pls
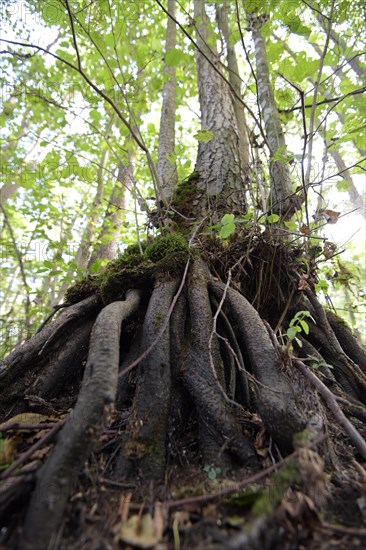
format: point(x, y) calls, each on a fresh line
point(194, 427)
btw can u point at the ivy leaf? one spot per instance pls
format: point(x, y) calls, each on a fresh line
point(204, 136)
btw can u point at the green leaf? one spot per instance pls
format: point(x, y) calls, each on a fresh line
point(173, 57)
point(234, 37)
point(291, 333)
point(227, 218)
point(343, 185)
point(227, 230)
point(47, 263)
point(171, 158)
point(291, 225)
point(273, 218)
point(204, 136)
point(95, 266)
point(322, 285)
point(298, 342)
point(304, 326)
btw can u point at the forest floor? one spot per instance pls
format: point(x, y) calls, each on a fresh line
point(200, 507)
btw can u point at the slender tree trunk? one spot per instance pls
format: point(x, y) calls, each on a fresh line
point(166, 166)
point(284, 202)
point(355, 197)
point(218, 162)
point(235, 81)
point(115, 213)
point(353, 61)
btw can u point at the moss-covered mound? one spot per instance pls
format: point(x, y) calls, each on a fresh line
point(164, 258)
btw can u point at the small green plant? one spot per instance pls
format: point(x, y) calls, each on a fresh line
point(228, 223)
point(297, 325)
point(317, 363)
point(322, 285)
point(211, 471)
point(227, 226)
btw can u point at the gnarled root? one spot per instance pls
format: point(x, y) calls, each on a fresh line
point(81, 431)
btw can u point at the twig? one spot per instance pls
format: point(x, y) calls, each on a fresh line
point(331, 401)
point(309, 138)
point(56, 308)
point(23, 457)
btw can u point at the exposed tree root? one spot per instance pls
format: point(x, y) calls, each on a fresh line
point(212, 389)
point(80, 433)
point(49, 359)
point(144, 440)
point(275, 398)
point(203, 375)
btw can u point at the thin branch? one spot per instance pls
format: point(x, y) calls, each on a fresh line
point(331, 401)
point(73, 34)
point(40, 443)
point(98, 91)
point(309, 138)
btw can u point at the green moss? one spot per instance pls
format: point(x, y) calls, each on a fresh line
point(82, 289)
point(303, 438)
point(169, 245)
point(184, 194)
point(164, 258)
point(131, 270)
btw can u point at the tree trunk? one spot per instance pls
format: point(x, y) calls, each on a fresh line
point(166, 166)
point(283, 201)
point(220, 174)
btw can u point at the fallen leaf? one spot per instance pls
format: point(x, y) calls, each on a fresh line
point(304, 229)
point(303, 284)
point(329, 249)
point(330, 216)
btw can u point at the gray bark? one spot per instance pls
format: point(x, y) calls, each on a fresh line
point(235, 82)
point(115, 213)
point(283, 201)
point(82, 429)
point(218, 162)
point(167, 169)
